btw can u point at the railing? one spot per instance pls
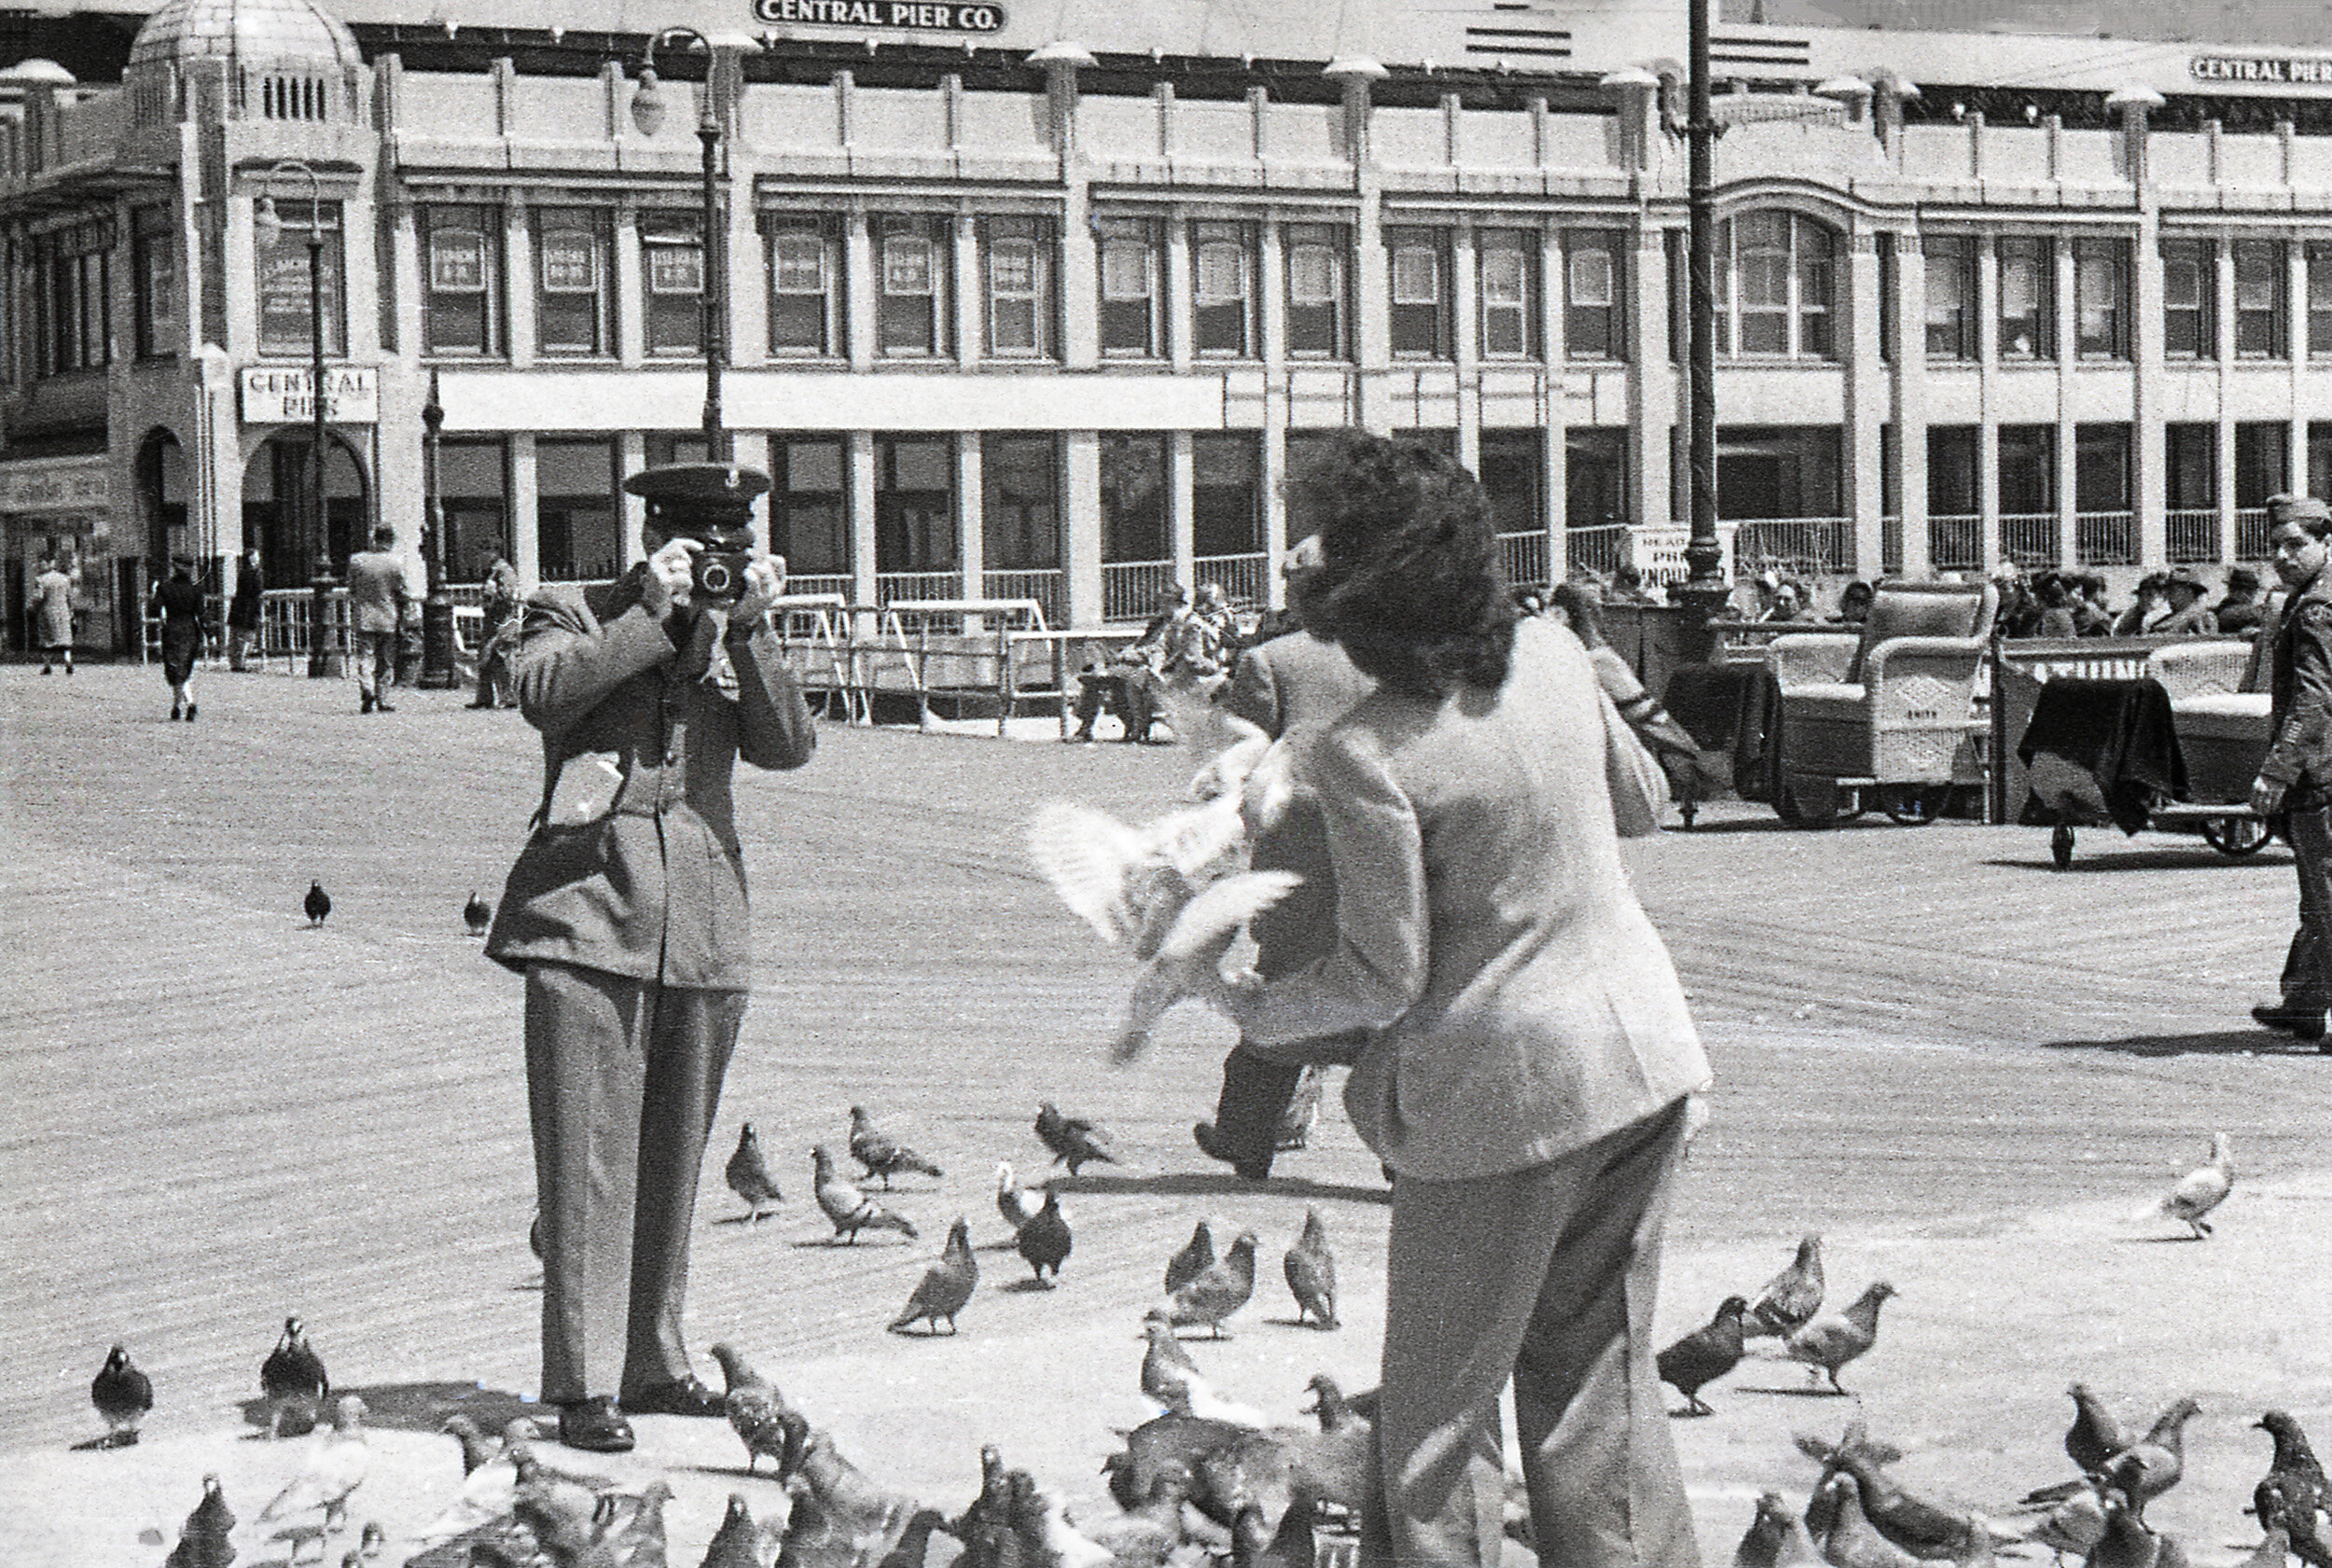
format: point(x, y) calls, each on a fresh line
point(2190, 535)
point(821, 582)
point(1244, 579)
point(1526, 558)
point(1603, 548)
point(917, 585)
point(1129, 589)
point(2251, 533)
point(2106, 539)
point(1955, 543)
point(1807, 544)
point(1040, 584)
point(1891, 545)
point(2029, 538)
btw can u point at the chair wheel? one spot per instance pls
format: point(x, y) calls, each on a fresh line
point(1911, 805)
point(2061, 846)
point(2236, 836)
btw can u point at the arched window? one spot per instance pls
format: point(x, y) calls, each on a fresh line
point(1775, 285)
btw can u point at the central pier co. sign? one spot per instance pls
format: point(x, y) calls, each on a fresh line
point(906, 16)
point(2268, 70)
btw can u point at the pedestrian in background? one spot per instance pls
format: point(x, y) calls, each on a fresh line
point(243, 612)
point(2150, 608)
point(2189, 617)
point(179, 603)
point(2295, 780)
point(499, 603)
point(377, 597)
point(51, 609)
point(2239, 612)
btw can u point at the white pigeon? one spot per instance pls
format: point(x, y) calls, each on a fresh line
point(1128, 884)
point(1063, 1541)
point(335, 1467)
point(2200, 1190)
point(1242, 745)
point(1017, 1204)
point(487, 1493)
point(1188, 960)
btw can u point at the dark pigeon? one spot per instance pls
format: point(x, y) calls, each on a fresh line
point(476, 915)
point(750, 1176)
point(1073, 1139)
point(1044, 1241)
point(317, 904)
point(292, 1378)
point(1705, 1355)
point(123, 1396)
point(947, 1284)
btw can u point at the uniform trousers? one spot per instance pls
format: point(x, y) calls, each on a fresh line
point(623, 1079)
point(2307, 983)
point(1546, 1275)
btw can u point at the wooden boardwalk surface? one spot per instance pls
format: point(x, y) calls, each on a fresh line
point(217, 1115)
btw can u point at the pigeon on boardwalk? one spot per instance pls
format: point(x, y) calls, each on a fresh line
point(2153, 1465)
point(750, 1176)
point(1922, 1528)
point(203, 1541)
point(1073, 1139)
point(335, 1467)
point(476, 915)
point(947, 1284)
point(489, 1482)
point(754, 1407)
point(123, 1396)
point(1196, 1257)
point(1303, 1110)
point(2298, 1523)
point(2095, 1436)
point(879, 1154)
point(2074, 1524)
point(850, 1210)
point(1705, 1355)
point(1791, 1297)
point(1828, 1341)
point(1312, 1272)
point(1044, 1241)
point(2127, 1543)
point(1219, 1290)
point(1189, 957)
point(1166, 1366)
point(317, 904)
point(1129, 884)
point(1775, 1538)
point(736, 1543)
point(2299, 1478)
point(1017, 1204)
point(1853, 1541)
point(292, 1378)
point(1143, 1535)
point(1254, 1469)
point(1162, 1444)
point(1339, 1465)
point(2199, 1192)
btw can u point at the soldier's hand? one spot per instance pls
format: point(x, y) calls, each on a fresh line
point(765, 583)
point(2267, 797)
point(670, 572)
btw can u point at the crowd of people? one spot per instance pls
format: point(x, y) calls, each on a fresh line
point(2053, 604)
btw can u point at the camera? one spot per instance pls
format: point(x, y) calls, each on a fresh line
point(718, 576)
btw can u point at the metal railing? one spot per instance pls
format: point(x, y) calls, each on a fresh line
point(2190, 535)
point(2106, 539)
point(1891, 545)
point(917, 585)
point(2029, 538)
point(1245, 579)
point(1526, 558)
point(2251, 533)
point(1955, 543)
point(1042, 584)
point(821, 582)
point(1808, 545)
point(1129, 589)
point(1603, 548)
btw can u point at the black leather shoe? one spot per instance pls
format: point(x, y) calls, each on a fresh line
point(1211, 1144)
point(686, 1398)
point(2299, 1023)
point(595, 1426)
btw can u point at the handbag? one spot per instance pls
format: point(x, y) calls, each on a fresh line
point(1638, 784)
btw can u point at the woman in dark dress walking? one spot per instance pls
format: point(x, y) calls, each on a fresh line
point(180, 605)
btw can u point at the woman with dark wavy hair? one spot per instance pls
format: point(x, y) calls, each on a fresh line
point(1528, 1076)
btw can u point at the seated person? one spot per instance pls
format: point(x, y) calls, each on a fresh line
point(2189, 617)
point(1133, 671)
point(2151, 609)
point(1789, 603)
point(2054, 594)
point(1627, 587)
point(1853, 604)
point(2239, 612)
point(2090, 618)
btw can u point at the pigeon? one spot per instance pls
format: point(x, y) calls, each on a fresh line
point(2074, 1524)
point(750, 1176)
point(292, 1378)
point(1196, 1257)
point(947, 1284)
point(203, 1540)
point(1189, 957)
point(2299, 1480)
point(1311, 1269)
point(736, 1543)
point(1170, 1442)
point(2153, 1465)
point(1338, 1464)
point(1129, 884)
point(369, 1541)
point(1143, 1534)
point(1302, 1112)
point(1045, 1240)
point(335, 1467)
point(1853, 1541)
point(754, 1407)
point(850, 1210)
point(2199, 1192)
point(123, 1396)
point(1017, 1204)
point(1920, 1527)
point(1166, 1366)
point(1073, 1139)
point(489, 1483)
point(639, 1542)
point(2302, 1535)
point(2127, 1543)
point(1775, 1538)
point(317, 904)
point(564, 1514)
point(987, 1514)
point(1291, 1547)
point(1828, 1341)
point(841, 1486)
point(879, 1155)
point(1220, 1289)
point(1705, 1355)
point(1791, 1297)
point(476, 915)
point(1254, 1469)
point(2095, 1436)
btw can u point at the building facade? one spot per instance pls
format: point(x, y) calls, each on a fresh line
point(1018, 315)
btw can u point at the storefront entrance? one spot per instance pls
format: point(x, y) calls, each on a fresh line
point(57, 511)
point(279, 508)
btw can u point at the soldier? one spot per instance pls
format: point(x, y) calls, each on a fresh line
point(2295, 780)
point(626, 914)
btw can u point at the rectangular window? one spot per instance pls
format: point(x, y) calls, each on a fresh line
point(2320, 300)
point(1420, 277)
point(2319, 458)
point(1504, 291)
point(474, 482)
point(1133, 315)
point(911, 274)
point(806, 504)
point(1761, 265)
point(1950, 297)
point(2191, 466)
point(805, 285)
point(2028, 270)
point(2260, 300)
point(1018, 255)
point(1594, 478)
point(1226, 494)
point(286, 310)
point(1592, 325)
point(155, 268)
point(1952, 480)
point(2027, 469)
point(462, 305)
point(915, 504)
point(2101, 468)
point(1513, 477)
point(2261, 463)
point(1222, 289)
point(1319, 302)
point(671, 275)
point(1020, 513)
point(1817, 290)
point(2189, 302)
point(1133, 498)
point(574, 509)
point(573, 280)
point(1889, 284)
point(2100, 298)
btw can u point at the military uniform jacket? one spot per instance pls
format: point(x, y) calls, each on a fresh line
point(655, 889)
point(2300, 682)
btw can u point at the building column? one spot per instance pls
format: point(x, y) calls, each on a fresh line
point(1910, 403)
point(2223, 450)
point(2146, 351)
point(748, 271)
point(859, 290)
point(1464, 344)
point(631, 510)
point(1182, 326)
point(859, 460)
point(971, 523)
point(518, 271)
point(525, 525)
point(1081, 541)
point(1271, 331)
point(1866, 390)
point(1180, 507)
point(971, 338)
point(1989, 550)
point(631, 332)
point(1653, 387)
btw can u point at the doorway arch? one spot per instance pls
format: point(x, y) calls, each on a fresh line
point(279, 510)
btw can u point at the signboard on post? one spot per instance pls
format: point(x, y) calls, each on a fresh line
point(284, 395)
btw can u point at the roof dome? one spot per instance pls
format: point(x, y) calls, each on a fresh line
point(247, 29)
point(38, 70)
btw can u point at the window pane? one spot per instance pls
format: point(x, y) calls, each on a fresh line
point(906, 264)
point(457, 261)
point(1416, 275)
point(1125, 270)
point(1311, 275)
point(1012, 267)
point(676, 268)
point(1222, 272)
point(570, 261)
point(1502, 277)
point(1593, 279)
point(799, 263)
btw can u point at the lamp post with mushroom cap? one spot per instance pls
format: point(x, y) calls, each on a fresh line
point(269, 225)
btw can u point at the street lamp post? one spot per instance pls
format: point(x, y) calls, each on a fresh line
point(1705, 589)
point(270, 225)
point(437, 671)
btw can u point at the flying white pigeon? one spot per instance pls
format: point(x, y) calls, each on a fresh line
point(1188, 960)
point(2200, 1190)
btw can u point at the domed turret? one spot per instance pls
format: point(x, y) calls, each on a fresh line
point(287, 60)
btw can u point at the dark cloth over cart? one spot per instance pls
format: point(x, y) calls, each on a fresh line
point(1733, 713)
point(2100, 751)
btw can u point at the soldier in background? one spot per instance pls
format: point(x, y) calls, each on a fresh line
point(2295, 780)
